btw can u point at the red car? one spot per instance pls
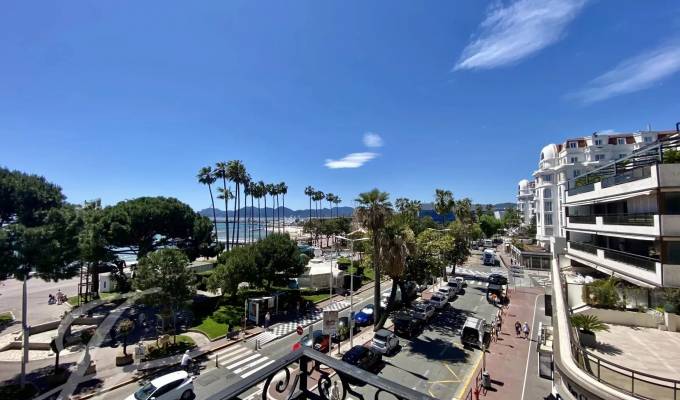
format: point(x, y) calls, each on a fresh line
point(317, 340)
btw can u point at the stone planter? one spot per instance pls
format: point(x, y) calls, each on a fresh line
point(124, 360)
point(587, 338)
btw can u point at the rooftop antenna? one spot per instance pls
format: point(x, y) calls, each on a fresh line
point(649, 127)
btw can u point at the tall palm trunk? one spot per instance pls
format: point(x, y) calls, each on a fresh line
point(212, 200)
point(233, 226)
point(259, 219)
point(252, 218)
point(226, 211)
point(238, 213)
point(376, 286)
point(283, 211)
point(278, 214)
point(311, 238)
point(265, 216)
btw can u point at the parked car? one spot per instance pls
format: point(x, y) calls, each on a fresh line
point(172, 386)
point(342, 329)
point(362, 357)
point(407, 325)
point(317, 341)
point(457, 286)
point(384, 298)
point(448, 292)
point(475, 333)
point(422, 287)
point(365, 316)
point(461, 280)
point(439, 301)
point(384, 341)
point(498, 279)
point(423, 311)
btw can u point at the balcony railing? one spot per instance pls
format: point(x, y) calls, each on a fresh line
point(639, 219)
point(581, 189)
point(582, 219)
point(628, 176)
point(631, 259)
point(291, 377)
point(588, 248)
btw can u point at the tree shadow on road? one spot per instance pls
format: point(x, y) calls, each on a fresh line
point(438, 349)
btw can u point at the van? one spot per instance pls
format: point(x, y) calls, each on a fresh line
point(489, 257)
point(475, 333)
point(384, 298)
point(456, 285)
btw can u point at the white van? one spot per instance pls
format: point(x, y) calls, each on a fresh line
point(489, 257)
point(488, 243)
point(386, 296)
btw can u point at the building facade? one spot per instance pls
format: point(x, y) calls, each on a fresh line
point(525, 200)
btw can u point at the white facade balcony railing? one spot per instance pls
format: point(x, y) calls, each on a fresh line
point(643, 224)
point(636, 267)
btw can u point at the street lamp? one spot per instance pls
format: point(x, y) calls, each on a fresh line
point(351, 288)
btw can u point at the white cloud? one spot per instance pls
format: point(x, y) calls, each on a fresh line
point(372, 140)
point(518, 30)
point(352, 160)
point(634, 74)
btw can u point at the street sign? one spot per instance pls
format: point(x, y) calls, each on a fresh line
point(299, 330)
point(330, 322)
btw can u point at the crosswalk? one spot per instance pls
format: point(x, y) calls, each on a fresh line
point(479, 277)
point(284, 328)
point(241, 360)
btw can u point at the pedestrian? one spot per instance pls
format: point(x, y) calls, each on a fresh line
point(494, 336)
point(499, 324)
point(525, 329)
point(518, 328)
point(267, 317)
point(498, 333)
point(335, 391)
point(186, 361)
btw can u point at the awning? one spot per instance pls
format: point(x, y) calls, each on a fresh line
point(609, 198)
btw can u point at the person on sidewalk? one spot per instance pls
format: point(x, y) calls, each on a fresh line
point(518, 328)
point(186, 361)
point(267, 317)
point(494, 333)
point(525, 329)
point(335, 391)
point(499, 324)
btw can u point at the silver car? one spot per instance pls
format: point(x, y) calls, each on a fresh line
point(423, 311)
point(384, 342)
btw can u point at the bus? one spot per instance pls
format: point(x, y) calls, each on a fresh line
point(488, 243)
point(489, 257)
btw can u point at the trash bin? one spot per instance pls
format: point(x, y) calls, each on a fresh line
point(486, 380)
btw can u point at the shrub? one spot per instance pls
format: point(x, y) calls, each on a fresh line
point(230, 315)
point(672, 298)
point(588, 323)
point(671, 156)
point(602, 293)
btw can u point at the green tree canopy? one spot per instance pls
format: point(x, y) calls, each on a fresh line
point(233, 267)
point(166, 269)
point(489, 225)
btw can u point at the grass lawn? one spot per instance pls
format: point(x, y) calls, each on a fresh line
point(211, 328)
point(73, 300)
point(314, 298)
point(186, 340)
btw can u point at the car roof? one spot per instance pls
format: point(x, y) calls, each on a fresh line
point(383, 332)
point(171, 377)
point(355, 352)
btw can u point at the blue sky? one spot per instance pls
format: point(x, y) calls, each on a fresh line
point(118, 100)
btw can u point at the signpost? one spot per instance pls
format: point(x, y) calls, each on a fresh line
point(330, 322)
point(299, 330)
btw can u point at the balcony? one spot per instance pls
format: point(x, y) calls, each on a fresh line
point(640, 224)
point(637, 219)
point(582, 219)
point(646, 263)
point(581, 189)
point(628, 176)
point(587, 247)
point(290, 377)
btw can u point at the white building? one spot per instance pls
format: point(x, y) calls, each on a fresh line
point(575, 157)
point(525, 200)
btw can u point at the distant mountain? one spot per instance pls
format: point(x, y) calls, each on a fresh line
point(325, 212)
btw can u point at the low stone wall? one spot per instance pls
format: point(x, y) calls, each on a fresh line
point(626, 318)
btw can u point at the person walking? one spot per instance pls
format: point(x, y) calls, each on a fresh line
point(186, 361)
point(267, 317)
point(518, 328)
point(335, 391)
point(494, 335)
point(525, 329)
point(499, 323)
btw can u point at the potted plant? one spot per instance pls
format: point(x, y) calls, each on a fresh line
point(587, 325)
point(124, 329)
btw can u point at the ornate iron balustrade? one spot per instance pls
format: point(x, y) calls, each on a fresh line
point(640, 219)
point(289, 378)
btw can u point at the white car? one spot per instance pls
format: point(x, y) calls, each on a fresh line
point(439, 300)
point(173, 386)
point(423, 311)
point(448, 292)
point(461, 280)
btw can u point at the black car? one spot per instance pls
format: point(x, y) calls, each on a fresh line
point(362, 357)
point(405, 325)
point(498, 279)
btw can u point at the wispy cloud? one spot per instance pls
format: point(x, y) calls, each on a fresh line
point(352, 160)
point(518, 30)
point(632, 75)
point(372, 139)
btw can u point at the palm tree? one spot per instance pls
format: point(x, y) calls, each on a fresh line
point(443, 203)
point(318, 197)
point(246, 192)
point(309, 191)
point(271, 189)
point(260, 191)
point(237, 174)
point(372, 212)
point(401, 204)
point(206, 177)
point(337, 200)
point(396, 243)
point(283, 189)
point(265, 191)
point(463, 210)
point(225, 195)
point(329, 199)
point(221, 172)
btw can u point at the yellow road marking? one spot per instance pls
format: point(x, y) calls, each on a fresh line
point(431, 384)
point(464, 388)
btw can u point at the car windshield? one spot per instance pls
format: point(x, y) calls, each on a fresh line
point(367, 310)
point(436, 298)
point(381, 336)
point(145, 392)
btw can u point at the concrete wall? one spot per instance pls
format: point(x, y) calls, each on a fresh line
point(626, 318)
point(669, 175)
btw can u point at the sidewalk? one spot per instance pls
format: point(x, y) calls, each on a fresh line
point(507, 361)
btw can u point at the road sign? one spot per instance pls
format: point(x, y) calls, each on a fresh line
point(299, 330)
point(330, 322)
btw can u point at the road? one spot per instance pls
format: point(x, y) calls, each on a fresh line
point(38, 291)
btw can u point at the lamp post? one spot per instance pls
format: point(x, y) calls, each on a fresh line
point(351, 289)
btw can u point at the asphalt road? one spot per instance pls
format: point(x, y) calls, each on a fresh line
point(38, 291)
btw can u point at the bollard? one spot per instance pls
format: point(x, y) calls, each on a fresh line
point(217, 364)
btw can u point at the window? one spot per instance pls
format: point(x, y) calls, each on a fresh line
point(648, 139)
point(547, 193)
point(598, 142)
point(621, 155)
point(573, 160)
point(547, 178)
point(572, 145)
point(547, 206)
point(621, 140)
point(576, 173)
point(670, 202)
point(599, 157)
point(548, 219)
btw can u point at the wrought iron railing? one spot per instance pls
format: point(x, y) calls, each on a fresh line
point(638, 219)
point(582, 219)
point(635, 260)
point(290, 377)
point(627, 176)
point(588, 248)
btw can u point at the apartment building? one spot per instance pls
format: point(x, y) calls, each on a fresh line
point(560, 163)
point(525, 200)
point(624, 218)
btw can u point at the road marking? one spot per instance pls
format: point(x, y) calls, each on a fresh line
point(245, 360)
point(252, 371)
point(230, 351)
point(235, 355)
point(464, 388)
point(533, 321)
point(250, 365)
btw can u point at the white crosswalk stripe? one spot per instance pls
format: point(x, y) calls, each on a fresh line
point(284, 328)
point(242, 360)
